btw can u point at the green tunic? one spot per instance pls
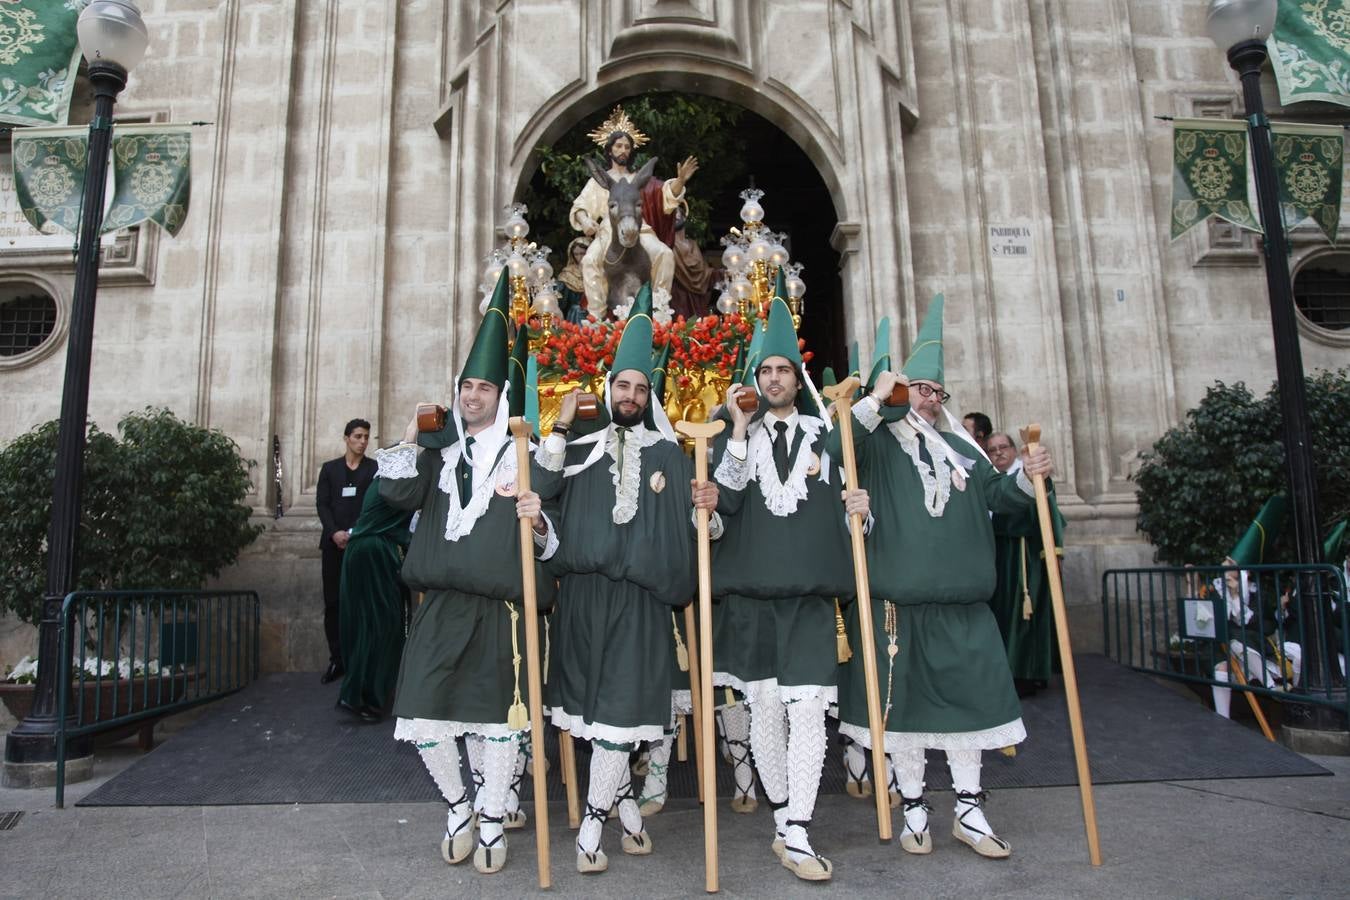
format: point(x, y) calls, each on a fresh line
point(457, 662)
point(374, 601)
point(777, 574)
point(949, 685)
point(1020, 562)
point(611, 658)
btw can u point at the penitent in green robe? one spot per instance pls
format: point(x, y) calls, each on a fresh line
point(1020, 561)
point(374, 600)
point(611, 661)
point(781, 562)
point(948, 684)
point(457, 662)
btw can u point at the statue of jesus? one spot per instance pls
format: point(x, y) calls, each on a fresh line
point(619, 139)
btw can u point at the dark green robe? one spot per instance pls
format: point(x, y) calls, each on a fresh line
point(374, 600)
point(949, 683)
point(1020, 560)
point(611, 658)
point(776, 576)
point(457, 663)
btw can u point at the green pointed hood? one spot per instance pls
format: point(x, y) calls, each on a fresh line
point(1334, 550)
point(1262, 533)
point(532, 394)
point(635, 347)
point(780, 338)
point(487, 358)
point(881, 354)
point(925, 359)
point(854, 364)
point(754, 353)
point(827, 378)
point(518, 371)
point(780, 286)
point(658, 373)
point(738, 368)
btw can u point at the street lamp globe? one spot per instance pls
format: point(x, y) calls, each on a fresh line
point(1232, 22)
point(112, 31)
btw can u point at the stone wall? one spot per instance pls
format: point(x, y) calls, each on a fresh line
point(360, 155)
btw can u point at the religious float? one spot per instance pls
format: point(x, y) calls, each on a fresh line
point(574, 323)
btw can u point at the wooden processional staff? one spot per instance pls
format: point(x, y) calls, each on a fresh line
point(842, 395)
point(700, 432)
point(521, 431)
point(1031, 437)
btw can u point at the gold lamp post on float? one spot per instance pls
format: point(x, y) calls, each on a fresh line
point(752, 258)
point(531, 275)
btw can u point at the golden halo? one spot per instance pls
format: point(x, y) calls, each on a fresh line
point(617, 121)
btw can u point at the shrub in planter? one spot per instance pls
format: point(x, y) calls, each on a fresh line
point(1204, 480)
point(162, 508)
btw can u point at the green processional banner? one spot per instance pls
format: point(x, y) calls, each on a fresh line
point(1209, 174)
point(49, 174)
point(152, 172)
point(1310, 51)
point(1308, 161)
point(39, 55)
point(151, 175)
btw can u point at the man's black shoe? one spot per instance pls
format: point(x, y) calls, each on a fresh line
point(365, 714)
point(332, 673)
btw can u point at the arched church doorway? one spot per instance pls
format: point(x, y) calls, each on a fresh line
point(736, 149)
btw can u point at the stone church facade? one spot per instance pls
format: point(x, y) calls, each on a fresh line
point(1004, 152)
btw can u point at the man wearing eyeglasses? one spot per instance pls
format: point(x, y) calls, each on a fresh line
point(943, 672)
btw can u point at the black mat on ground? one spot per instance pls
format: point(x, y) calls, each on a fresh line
point(281, 741)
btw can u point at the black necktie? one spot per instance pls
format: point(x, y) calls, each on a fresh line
point(621, 437)
point(924, 456)
point(465, 473)
point(780, 450)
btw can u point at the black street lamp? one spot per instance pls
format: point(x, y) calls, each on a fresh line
point(113, 39)
point(1241, 28)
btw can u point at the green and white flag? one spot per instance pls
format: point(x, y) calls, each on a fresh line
point(152, 171)
point(1310, 51)
point(1209, 174)
point(1308, 160)
point(39, 56)
point(49, 174)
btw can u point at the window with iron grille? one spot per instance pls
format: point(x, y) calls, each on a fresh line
point(1322, 291)
point(26, 320)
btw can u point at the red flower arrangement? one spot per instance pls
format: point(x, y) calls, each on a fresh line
point(577, 352)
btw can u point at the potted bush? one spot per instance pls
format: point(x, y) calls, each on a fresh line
point(162, 508)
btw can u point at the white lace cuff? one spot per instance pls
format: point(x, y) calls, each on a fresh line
point(738, 449)
point(549, 455)
point(397, 462)
point(868, 413)
point(546, 543)
point(733, 471)
point(715, 526)
point(1025, 484)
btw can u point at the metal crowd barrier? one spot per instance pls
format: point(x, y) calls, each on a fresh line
point(140, 655)
point(1175, 623)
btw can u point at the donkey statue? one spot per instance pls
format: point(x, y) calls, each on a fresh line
point(626, 264)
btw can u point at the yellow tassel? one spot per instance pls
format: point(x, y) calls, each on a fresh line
point(842, 651)
point(517, 717)
point(1008, 751)
point(1026, 596)
point(681, 651)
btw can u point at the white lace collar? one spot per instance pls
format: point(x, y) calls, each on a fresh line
point(626, 491)
point(937, 478)
point(781, 497)
point(489, 474)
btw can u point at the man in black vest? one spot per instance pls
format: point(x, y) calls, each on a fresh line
point(342, 487)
